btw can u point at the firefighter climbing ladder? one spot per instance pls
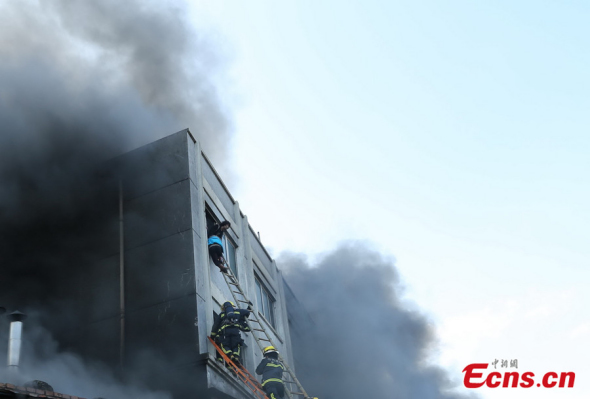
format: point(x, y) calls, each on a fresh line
point(240, 297)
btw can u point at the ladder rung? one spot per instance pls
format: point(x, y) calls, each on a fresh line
point(231, 279)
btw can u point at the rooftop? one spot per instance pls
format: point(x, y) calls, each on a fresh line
point(9, 390)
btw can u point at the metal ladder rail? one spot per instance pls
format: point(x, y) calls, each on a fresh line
point(232, 281)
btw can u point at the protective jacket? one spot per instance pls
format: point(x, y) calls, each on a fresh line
point(232, 318)
point(226, 331)
point(271, 370)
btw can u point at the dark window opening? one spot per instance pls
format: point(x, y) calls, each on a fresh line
point(211, 220)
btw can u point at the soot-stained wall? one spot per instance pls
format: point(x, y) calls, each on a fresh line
point(135, 289)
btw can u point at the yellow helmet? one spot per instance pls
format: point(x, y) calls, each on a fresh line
point(269, 349)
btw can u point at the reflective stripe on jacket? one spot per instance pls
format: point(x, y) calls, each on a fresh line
point(237, 319)
point(271, 370)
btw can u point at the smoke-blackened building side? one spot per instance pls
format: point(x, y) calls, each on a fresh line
point(145, 303)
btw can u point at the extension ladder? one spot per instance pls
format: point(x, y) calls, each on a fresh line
point(244, 375)
point(232, 282)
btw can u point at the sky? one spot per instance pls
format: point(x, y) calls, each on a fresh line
point(450, 135)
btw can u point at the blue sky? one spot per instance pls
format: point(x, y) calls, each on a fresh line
point(451, 135)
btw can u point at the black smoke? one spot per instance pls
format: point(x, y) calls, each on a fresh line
point(80, 83)
point(132, 66)
point(68, 372)
point(359, 340)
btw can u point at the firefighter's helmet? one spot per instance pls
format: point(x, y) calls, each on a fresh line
point(226, 304)
point(269, 349)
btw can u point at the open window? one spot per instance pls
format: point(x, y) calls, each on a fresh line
point(210, 218)
point(229, 247)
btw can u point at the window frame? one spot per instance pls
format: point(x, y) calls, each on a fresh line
point(265, 302)
point(229, 241)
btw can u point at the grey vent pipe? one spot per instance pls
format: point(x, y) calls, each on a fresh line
point(15, 340)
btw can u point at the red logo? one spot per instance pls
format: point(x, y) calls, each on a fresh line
point(513, 379)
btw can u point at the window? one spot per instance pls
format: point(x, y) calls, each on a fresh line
point(229, 248)
point(230, 255)
point(265, 302)
point(210, 219)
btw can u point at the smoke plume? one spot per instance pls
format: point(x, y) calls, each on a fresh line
point(67, 372)
point(360, 340)
point(131, 68)
point(82, 82)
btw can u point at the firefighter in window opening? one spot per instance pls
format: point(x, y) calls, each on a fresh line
point(272, 373)
point(226, 329)
point(214, 240)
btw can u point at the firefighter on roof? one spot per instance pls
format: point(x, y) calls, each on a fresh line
point(214, 241)
point(272, 373)
point(226, 329)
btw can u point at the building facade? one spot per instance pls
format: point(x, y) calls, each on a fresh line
point(163, 289)
point(144, 299)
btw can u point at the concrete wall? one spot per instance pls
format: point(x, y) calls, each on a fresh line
point(252, 260)
point(161, 243)
point(170, 287)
